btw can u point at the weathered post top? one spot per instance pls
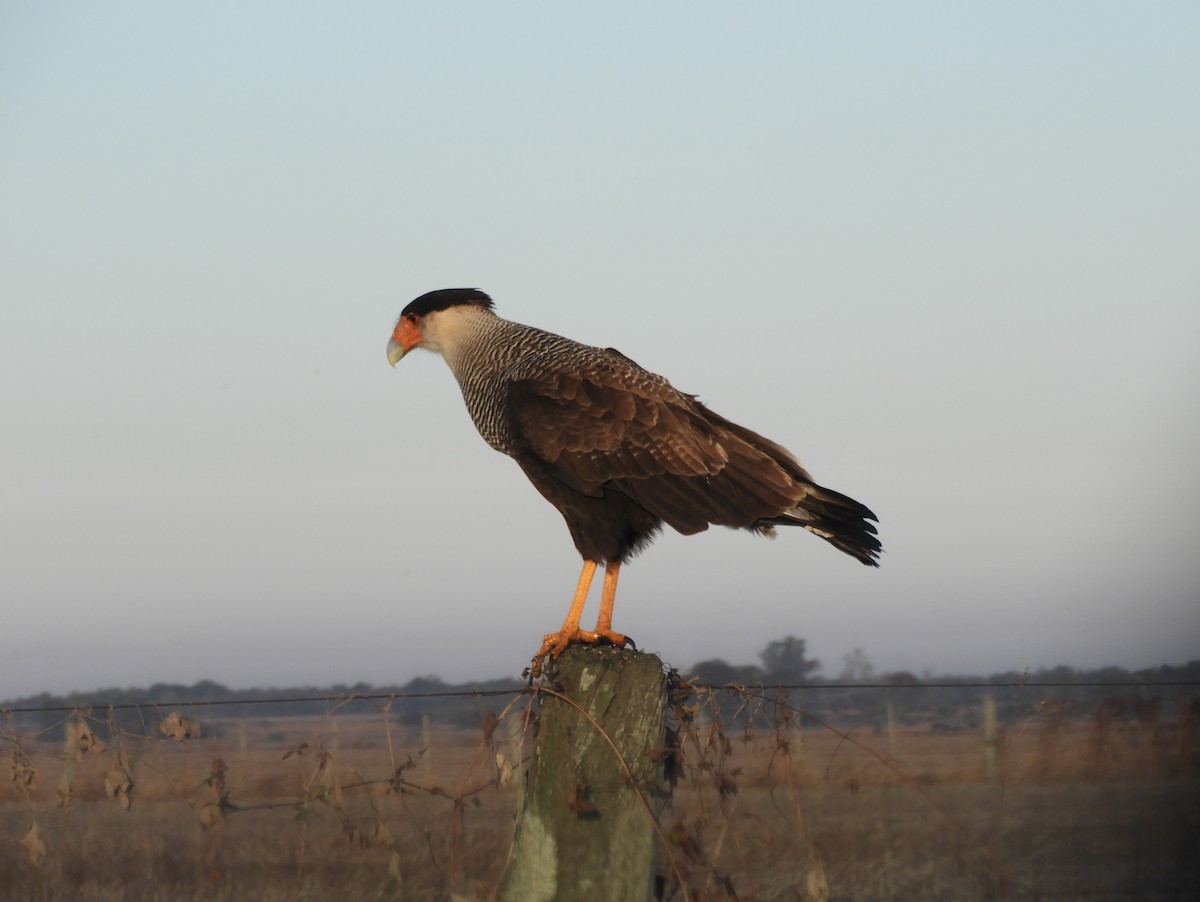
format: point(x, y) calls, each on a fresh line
point(584, 829)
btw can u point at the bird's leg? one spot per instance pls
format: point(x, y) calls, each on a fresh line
point(554, 644)
point(607, 595)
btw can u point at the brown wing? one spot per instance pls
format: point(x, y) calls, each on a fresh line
point(611, 425)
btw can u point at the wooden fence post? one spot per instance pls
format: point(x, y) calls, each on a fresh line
point(989, 737)
point(891, 728)
point(583, 830)
point(426, 748)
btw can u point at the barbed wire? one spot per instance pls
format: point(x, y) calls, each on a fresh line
point(341, 699)
point(286, 700)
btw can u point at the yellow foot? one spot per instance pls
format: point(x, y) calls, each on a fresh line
point(554, 644)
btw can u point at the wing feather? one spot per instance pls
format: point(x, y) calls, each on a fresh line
point(618, 426)
point(611, 423)
point(608, 425)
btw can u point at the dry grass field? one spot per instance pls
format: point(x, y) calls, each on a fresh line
point(344, 807)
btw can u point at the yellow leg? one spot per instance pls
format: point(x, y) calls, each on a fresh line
point(554, 644)
point(571, 624)
point(609, 593)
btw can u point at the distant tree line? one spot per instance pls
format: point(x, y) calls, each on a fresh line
point(461, 708)
point(783, 661)
point(927, 698)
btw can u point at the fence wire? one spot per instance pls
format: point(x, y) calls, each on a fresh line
point(466, 694)
point(844, 790)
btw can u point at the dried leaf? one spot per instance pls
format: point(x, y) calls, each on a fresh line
point(211, 816)
point(81, 739)
point(117, 785)
point(504, 769)
point(683, 838)
point(178, 727)
point(216, 776)
point(816, 884)
point(24, 774)
point(579, 803)
point(490, 722)
point(64, 793)
point(381, 834)
point(32, 844)
point(394, 868)
point(298, 750)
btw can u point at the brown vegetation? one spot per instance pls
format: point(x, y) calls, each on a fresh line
point(768, 805)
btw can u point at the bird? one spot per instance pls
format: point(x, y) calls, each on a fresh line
point(617, 449)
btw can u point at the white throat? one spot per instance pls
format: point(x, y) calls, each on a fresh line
point(450, 332)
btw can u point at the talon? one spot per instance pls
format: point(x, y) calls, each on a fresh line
point(554, 644)
point(616, 640)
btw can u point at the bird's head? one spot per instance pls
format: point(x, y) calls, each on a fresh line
point(420, 321)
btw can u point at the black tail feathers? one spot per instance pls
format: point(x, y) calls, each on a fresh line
point(838, 519)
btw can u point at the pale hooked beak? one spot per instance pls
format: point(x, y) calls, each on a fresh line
point(395, 351)
point(405, 337)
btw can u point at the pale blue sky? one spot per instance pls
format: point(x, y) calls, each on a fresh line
point(947, 253)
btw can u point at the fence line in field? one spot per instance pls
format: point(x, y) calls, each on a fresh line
point(496, 693)
point(751, 762)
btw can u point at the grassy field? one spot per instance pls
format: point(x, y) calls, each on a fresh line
point(343, 808)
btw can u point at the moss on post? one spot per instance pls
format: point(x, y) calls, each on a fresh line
point(583, 830)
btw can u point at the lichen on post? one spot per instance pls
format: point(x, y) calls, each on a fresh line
point(585, 827)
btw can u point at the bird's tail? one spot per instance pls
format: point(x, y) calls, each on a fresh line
point(838, 519)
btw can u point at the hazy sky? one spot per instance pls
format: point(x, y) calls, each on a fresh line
point(947, 253)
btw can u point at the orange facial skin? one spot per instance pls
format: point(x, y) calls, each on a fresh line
point(407, 333)
point(406, 336)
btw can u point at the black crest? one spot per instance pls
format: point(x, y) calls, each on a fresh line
point(444, 298)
